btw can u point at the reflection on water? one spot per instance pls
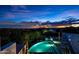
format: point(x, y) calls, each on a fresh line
point(44, 47)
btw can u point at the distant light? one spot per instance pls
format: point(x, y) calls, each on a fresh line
point(75, 25)
point(56, 42)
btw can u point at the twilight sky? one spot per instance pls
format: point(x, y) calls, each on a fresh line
point(18, 13)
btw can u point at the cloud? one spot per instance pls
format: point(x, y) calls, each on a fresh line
point(17, 7)
point(9, 15)
point(63, 15)
point(67, 13)
point(22, 12)
point(25, 14)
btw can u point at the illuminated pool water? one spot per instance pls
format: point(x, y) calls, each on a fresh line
point(44, 47)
